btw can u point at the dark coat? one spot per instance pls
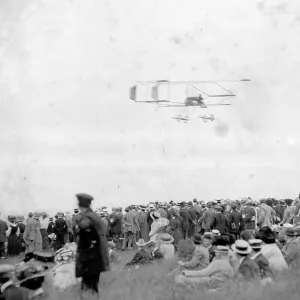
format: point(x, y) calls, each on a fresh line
point(50, 228)
point(92, 253)
point(144, 228)
point(185, 214)
point(116, 224)
point(60, 226)
point(157, 255)
point(264, 267)
point(249, 220)
point(194, 213)
point(3, 228)
point(235, 222)
point(22, 227)
point(249, 269)
point(207, 219)
point(175, 227)
point(75, 220)
point(142, 257)
point(220, 222)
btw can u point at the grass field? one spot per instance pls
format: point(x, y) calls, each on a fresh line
point(153, 283)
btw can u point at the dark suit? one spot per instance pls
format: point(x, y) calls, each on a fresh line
point(207, 219)
point(193, 218)
point(116, 224)
point(249, 220)
point(220, 223)
point(142, 257)
point(264, 267)
point(235, 222)
point(60, 229)
point(157, 255)
point(3, 228)
point(249, 269)
point(185, 214)
point(92, 253)
point(75, 220)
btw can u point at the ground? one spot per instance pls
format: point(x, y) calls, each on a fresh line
point(153, 283)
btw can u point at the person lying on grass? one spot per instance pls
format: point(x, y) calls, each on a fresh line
point(146, 254)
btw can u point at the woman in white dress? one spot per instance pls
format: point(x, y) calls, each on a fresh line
point(158, 227)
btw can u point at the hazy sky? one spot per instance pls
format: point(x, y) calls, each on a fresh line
point(67, 124)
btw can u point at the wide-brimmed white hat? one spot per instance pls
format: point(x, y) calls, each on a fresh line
point(216, 232)
point(142, 243)
point(241, 247)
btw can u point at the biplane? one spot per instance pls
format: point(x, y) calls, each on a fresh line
point(181, 118)
point(166, 93)
point(206, 118)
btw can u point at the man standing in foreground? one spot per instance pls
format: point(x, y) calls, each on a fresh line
point(92, 252)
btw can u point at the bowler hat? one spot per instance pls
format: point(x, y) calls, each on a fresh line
point(84, 200)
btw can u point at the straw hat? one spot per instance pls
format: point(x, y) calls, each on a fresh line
point(216, 232)
point(151, 206)
point(208, 235)
point(166, 238)
point(142, 243)
point(241, 247)
point(297, 231)
point(255, 243)
point(221, 249)
point(290, 231)
point(288, 225)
